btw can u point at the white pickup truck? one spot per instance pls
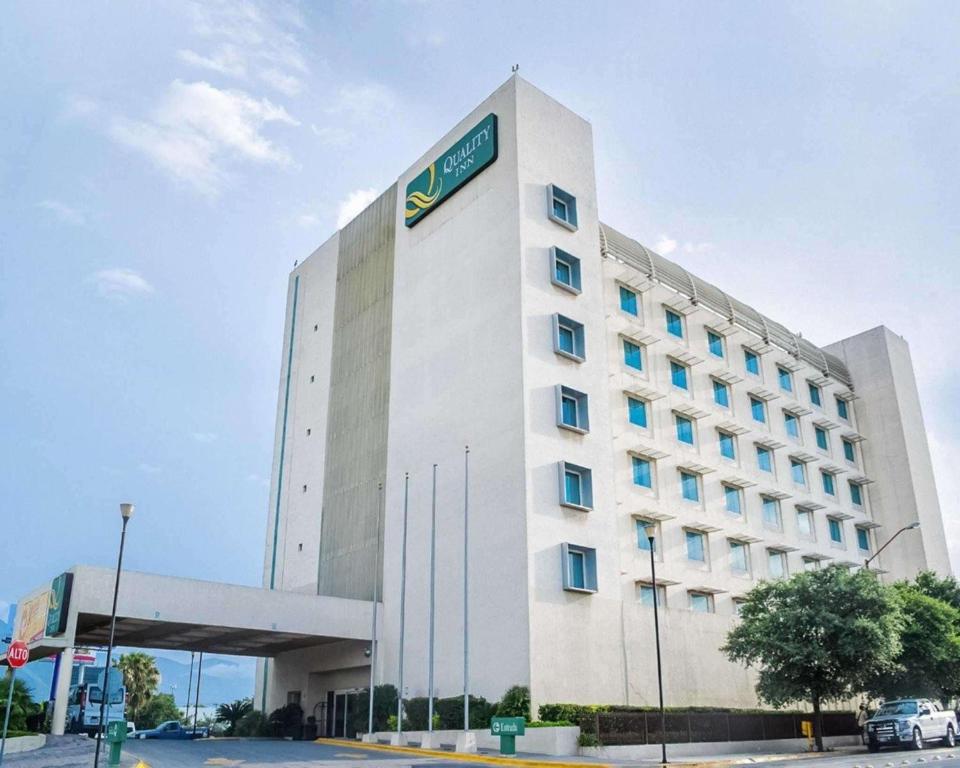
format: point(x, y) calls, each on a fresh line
point(911, 722)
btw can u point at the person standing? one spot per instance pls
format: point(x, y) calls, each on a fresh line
point(862, 717)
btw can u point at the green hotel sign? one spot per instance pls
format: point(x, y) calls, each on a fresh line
point(59, 604)
point(454, 168)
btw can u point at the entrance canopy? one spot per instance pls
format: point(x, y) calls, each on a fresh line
point(174, 613)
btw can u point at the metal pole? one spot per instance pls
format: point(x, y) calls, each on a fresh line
point(912, 526)
point(466, 600)
point(403, 600)
point(196, 705)
point(376, 595)
point(6, 716)
point(656, 632)
point(433, 598)
point(105, 691)
point(186, 706)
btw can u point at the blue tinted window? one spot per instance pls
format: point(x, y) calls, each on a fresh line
point(771, 512)
point(842, 409)
point(643, 542)
point(568, 410)
point(695, 548)
point(572, 488)
point(836, 531)
point(727, 446)
point(792, 425)
point(566, 269)
point(721, 393)
point(689, 487)
point(638, 411)
point(642, 474)
point(786, 380)
point(764, 459)
point(849, 451)
point(565, 339)
point(814, 393)
point(632, 356)
point(797, 472)
point(752, 362)
point(757, 410)
point(628, 301)
point(828, 486)
point(674, 324)
point(856, 494)
point(678, 375)
point(563, 271)
point(822, 439)
point(577, 569)
point(684, 430)
point(731, 499)
point(715, 343)
point(863, 539)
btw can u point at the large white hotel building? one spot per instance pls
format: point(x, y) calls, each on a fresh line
point(480, 301)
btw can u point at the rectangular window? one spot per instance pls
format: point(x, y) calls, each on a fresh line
point(849, 452)
point(642, 472)
point(771, 512)
point(643, 542)
point(632, 355)
point(814, 393)
point(689, 486)
point(805, 523)
point(572, 410)
point(863, 539)
point(646, 593)
point(684, 429)
point(738, 604)
point(758, 409)
point(823, 440)
point(792, 425)
point(564, 270)
point(696, 546)
point(576, 486)
point(785, 378)
point(628, 301)
point(764, 459)
point(561, 207)
point(568, 338)
point(700, 602)
point(637, 411)
point(674, 323)
point(836, 530)
point(579, 568)
point(728, 445)
point(828, 485)
point(751, 361)
point(776, 563)
point(732, 499)
point(739, 557)
point(842, 409)
point(721, 393)
point(678, 374)
point(715, 344)
point(811, 564)
point(798, 472)
point(856, 494)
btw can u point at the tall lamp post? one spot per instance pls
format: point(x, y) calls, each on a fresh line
point(651, 532)
point(126, 512)
point(914, 525)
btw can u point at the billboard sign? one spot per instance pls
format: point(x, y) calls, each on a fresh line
point(32, 617)
point(59, 605)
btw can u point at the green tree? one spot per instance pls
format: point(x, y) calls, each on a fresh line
point(22, 705)
point(929, 660)
point(232, 713)
point(160, 708)
point(515, 703)
point(947, 590)
point(384, 705)
point(141, 678)
point(818, 635)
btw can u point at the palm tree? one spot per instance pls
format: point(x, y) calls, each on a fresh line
point(231, 713)
point(141, 677)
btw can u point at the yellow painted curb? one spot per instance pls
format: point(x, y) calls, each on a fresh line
point(461, 757)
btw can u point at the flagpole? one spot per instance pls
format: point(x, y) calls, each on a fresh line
point(466, 599)
point(433, 598)
point(403, 602)
point(376, 596)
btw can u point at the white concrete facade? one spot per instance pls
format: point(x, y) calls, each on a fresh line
point(472, 361)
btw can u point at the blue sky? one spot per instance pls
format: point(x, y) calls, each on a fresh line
point(162, 165)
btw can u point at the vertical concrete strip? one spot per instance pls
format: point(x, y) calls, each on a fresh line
point(356, 449)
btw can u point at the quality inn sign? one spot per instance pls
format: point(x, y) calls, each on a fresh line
point(454, 168)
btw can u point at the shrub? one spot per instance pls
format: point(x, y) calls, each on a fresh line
point(384, 703)
point(588, 740)
point(287, 721)
point(158, 709)
point(253, 724)
point(450, 711)
point(572, 712)
point(415, 714)
point(23, 706)
point(515, 703)
point(549, 724)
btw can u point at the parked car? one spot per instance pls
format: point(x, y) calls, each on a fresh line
point(172, 729)
point(911, 722)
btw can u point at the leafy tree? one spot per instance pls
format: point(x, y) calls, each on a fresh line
point(947, 590)
point(232, 713)
point(254, 723)
point(384, 705)
point(818, 635)
point(141, 678)
point(928, 661)
point(515, 703)
point(160, 708)
point(21, 707)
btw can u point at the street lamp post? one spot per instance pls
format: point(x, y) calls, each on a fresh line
point(126, 512)
point(650, 531)
point(915, 524)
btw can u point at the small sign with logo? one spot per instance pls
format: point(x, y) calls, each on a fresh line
point(508, 728)
point(454, 168)
point(59, 604)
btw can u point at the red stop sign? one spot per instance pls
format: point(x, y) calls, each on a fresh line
point(17, 654)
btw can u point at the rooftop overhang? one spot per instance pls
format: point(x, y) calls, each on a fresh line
point(169, 612)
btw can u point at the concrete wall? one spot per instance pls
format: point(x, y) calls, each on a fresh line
point(896, 453)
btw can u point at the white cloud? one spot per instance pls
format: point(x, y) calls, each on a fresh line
point(689, 247)
point(355, 202)
point(197, 127)
point(286, 84)
point(308, 220)
point(665, 245)
point(332, 136)
point(64, 213)
point(204, 437)
point(150, 469)
point(120, 283)
point(363, 101)
point(229, 671)
point(226, 60)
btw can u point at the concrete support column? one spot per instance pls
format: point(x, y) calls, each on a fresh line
point(61, 695)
